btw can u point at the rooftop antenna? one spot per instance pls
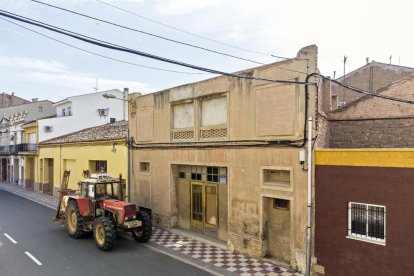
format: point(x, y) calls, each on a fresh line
point(390, 58)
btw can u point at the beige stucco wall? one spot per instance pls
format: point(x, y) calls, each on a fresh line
point(245, 193)
point(257, 112)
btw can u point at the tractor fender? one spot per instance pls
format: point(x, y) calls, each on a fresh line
point(83, 204)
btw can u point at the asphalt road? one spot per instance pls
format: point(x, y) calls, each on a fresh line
point(41, 241)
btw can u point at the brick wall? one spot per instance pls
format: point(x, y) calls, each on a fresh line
point(371, 77)
point(372, 133)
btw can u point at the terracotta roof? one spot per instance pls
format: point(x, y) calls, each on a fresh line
point(108, 132)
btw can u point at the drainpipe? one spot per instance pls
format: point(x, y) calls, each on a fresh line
point(309, 227)
point(129, 165)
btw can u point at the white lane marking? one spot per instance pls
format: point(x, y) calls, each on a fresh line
point(33, 258)
point(10, 238)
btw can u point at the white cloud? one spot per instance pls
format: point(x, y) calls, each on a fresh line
point(84, 83)
point(25, 63)
point(182, 7)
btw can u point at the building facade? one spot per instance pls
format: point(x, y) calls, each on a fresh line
point(97, 149)
point(15, 145)
point(221, 157)
point(371, 77)
point(363, 211)
point(371, 122)
point(83, 111)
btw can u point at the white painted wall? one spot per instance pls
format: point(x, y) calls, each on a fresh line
point(85, 114)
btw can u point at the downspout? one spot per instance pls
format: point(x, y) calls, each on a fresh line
point(129, 165)
point(309, 226)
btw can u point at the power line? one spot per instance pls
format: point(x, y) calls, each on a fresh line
point(99, 55)
point(189, 33)
point(147, 33)
point(358, 90)
point(136, 52)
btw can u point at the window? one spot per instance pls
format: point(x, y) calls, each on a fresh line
point(207, 174)
point(101, 166)
point(40, 109)
point(277, 177)
point(366, 221)
point(63, 111)
point(69, 111)
point(282, 204)
point(144, 167)
point(183, 121)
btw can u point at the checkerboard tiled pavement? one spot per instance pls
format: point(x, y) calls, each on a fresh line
point(236, 264)
point(232, 262)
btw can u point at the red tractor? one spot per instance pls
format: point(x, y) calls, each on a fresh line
point(97, 208)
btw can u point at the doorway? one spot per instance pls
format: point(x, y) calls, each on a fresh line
point(204, 207)
point(48, 188)
point(277, 228)
point(4, 169)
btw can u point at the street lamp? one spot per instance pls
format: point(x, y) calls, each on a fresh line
point(111, 96)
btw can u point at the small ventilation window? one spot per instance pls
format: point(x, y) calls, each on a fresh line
point(282, 204)
point(144, 167)
point(276, 177)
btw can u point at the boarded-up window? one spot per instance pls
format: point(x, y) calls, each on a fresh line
point(145, 124)
point(214, 112)
point(183, 115)
point(276, 111)
point(276, 177)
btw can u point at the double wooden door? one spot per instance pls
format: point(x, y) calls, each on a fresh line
point(204, 207)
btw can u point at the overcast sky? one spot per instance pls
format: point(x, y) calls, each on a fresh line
point(34, 66)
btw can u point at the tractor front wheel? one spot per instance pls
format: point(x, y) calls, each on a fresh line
point(144, 234)
point(104, 233)
point(74, 221)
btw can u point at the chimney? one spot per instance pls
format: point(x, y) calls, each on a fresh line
point(367, 60)
point(126, 90)
point(334, 74)
point(34, 100)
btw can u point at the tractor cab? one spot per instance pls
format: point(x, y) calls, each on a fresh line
point(101, 186)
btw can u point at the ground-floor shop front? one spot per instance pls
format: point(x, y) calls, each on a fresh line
point(254, 199)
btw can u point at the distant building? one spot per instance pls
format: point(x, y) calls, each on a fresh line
point(372, 122)
point(371, 77)
point(96, 149)
point(14, 142)
point(7, 100)
point(83, 111)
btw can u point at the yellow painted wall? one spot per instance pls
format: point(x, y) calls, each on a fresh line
point(29, 130)
point(76, 157)
point(398, 158)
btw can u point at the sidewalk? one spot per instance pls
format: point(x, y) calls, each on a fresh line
point(213, 259)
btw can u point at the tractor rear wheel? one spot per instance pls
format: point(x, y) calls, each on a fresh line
point(74, 221)
point(104, 233)
point(144, 234)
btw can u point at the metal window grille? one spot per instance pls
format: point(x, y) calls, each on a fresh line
point(207, 174)
point(366, 221)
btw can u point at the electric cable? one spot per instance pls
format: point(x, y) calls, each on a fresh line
point(358, 90)
point(189, 33)
point(99, 55)
point(132, 51)
point(146, 33)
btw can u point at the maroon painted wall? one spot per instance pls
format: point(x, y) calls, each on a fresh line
point(335, 186)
